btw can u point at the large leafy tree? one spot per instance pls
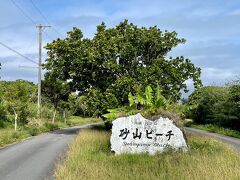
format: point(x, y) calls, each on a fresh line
point(118, 59)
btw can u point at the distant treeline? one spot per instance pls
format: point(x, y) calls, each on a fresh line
point(216, 105)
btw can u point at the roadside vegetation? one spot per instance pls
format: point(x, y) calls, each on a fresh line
point(123, 70)
point(8, 135)
point(89, 157)
point(18, 112)
point(214, 128)
point(216, 109)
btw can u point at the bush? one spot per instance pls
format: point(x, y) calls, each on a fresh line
point(33, 131)
point(16, 135)
point(204, 102)
point(2, 110)
point(94, 103)
point(51, 126)
point(4, 123)
point(216, 105)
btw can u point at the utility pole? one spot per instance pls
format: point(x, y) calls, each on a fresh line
point(40, 30)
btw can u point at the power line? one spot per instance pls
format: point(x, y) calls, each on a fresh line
point(30, 67)
point(13, 50)
point(39, 11)
point(44, 17)
point(23, 12)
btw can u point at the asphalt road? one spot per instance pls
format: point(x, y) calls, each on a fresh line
point(235, 142)
point(35, 158)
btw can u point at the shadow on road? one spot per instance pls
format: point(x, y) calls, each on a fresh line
point(69, 131)
point(75, 130)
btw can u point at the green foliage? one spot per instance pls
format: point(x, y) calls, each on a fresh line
point(16, 135)
point(149, 96)
point(215, 129)
point(116, 60)
point(160, 100)
point(98, 102)
point(203, 102)
point(78, 104)
point(55, 90)
point(131, 99)
point(37, 126)
point(113, 114)
point(148, 99)
point(216, 105)
point(3, 111)
point(51, 126)
point(15, 98)
point(33, 131)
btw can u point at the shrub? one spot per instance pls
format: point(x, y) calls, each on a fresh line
point(16, 135)
point(2, 110)
point(33, 131)
point(216, 105)
point(204, 102)
point(51, 126)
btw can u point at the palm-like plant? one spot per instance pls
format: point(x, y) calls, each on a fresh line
point(148, 99)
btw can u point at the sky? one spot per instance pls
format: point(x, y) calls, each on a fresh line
point(211, 29)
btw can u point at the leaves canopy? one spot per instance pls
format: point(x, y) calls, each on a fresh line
point(55, 90)
point(16, 96)
point(119, 59)
point(216, 105)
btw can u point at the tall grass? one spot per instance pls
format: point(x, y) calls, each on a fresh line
point(8, 135)
point(89, 157)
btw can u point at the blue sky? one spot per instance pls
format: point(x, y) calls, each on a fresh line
point(211, 28)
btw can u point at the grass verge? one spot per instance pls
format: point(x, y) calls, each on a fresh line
point(9, 136)
point(214, 129)
point(89, 157)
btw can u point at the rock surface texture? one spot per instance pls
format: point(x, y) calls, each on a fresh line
point(135, 134)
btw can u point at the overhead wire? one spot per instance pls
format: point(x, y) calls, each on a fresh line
point(44, 17)
point(20, 54)
point(28, 17)
point(23, 12)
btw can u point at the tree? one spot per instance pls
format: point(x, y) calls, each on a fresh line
point(116, 59)
point(216, 105)
point(16, 96)
point(203, 103)
point(56, 91)
point(2, 108)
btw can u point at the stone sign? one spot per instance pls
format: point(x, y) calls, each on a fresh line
point(135, 134)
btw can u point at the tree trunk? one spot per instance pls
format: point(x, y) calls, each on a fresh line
point(15, 123)
point(54, 115)
point(64, 116)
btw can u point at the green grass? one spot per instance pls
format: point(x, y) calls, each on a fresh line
point(77, 120)
point(89, 157)
point(214, 128)
point(8, 135)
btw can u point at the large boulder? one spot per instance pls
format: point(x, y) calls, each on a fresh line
point(135, 134)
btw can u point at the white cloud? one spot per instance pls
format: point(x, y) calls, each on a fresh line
point(211, 29)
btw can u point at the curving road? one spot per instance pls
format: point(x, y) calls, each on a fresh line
point(35, 158)
point(235, 142)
